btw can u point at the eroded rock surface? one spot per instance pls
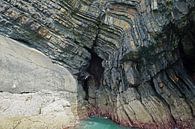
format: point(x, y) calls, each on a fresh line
point(35, 93)
point(126, 55)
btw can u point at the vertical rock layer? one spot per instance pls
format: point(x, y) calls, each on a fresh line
point(127, 55)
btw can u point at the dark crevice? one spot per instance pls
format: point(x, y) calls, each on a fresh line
point(187, 49)
point(86, 88)
point(188, 61)
point(95, 68)
point(25, 92)
point(93, 74)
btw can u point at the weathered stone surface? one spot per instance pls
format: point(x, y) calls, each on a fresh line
point(27, 70)
point(35, 110)
point(35, 93)
point(127, 55)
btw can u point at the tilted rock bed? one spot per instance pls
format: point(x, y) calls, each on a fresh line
point(132, 59)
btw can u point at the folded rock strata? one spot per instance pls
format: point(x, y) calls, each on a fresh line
point(132, 59)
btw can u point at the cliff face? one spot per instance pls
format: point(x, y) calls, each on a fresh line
point(133, 60)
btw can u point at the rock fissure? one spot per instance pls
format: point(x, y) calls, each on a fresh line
point(94, 71)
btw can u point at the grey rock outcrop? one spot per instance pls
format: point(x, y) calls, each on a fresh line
point(35, 93)
point(27, 70)
point(128, 56)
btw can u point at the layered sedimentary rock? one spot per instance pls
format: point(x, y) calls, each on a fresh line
point(35, 93)
point(131, 58)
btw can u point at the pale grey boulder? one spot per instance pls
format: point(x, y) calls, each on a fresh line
point(35, 93)
point(41, 110)
point(24, 69)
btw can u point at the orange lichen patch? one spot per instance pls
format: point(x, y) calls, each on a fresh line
point(43, 31)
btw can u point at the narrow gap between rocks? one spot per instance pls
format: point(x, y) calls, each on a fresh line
point(95, 73)
point(187, 50)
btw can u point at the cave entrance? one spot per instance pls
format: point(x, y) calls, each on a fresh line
point(187, 48)
point(94, 80)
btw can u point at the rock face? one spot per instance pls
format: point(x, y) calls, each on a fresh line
point(131, 58)
point(35, 93)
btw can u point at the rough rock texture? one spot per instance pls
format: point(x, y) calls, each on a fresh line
point(35, 93)
point(41, 110)
point(129, 56)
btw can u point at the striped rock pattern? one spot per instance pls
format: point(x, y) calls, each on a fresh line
point(125, 54)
